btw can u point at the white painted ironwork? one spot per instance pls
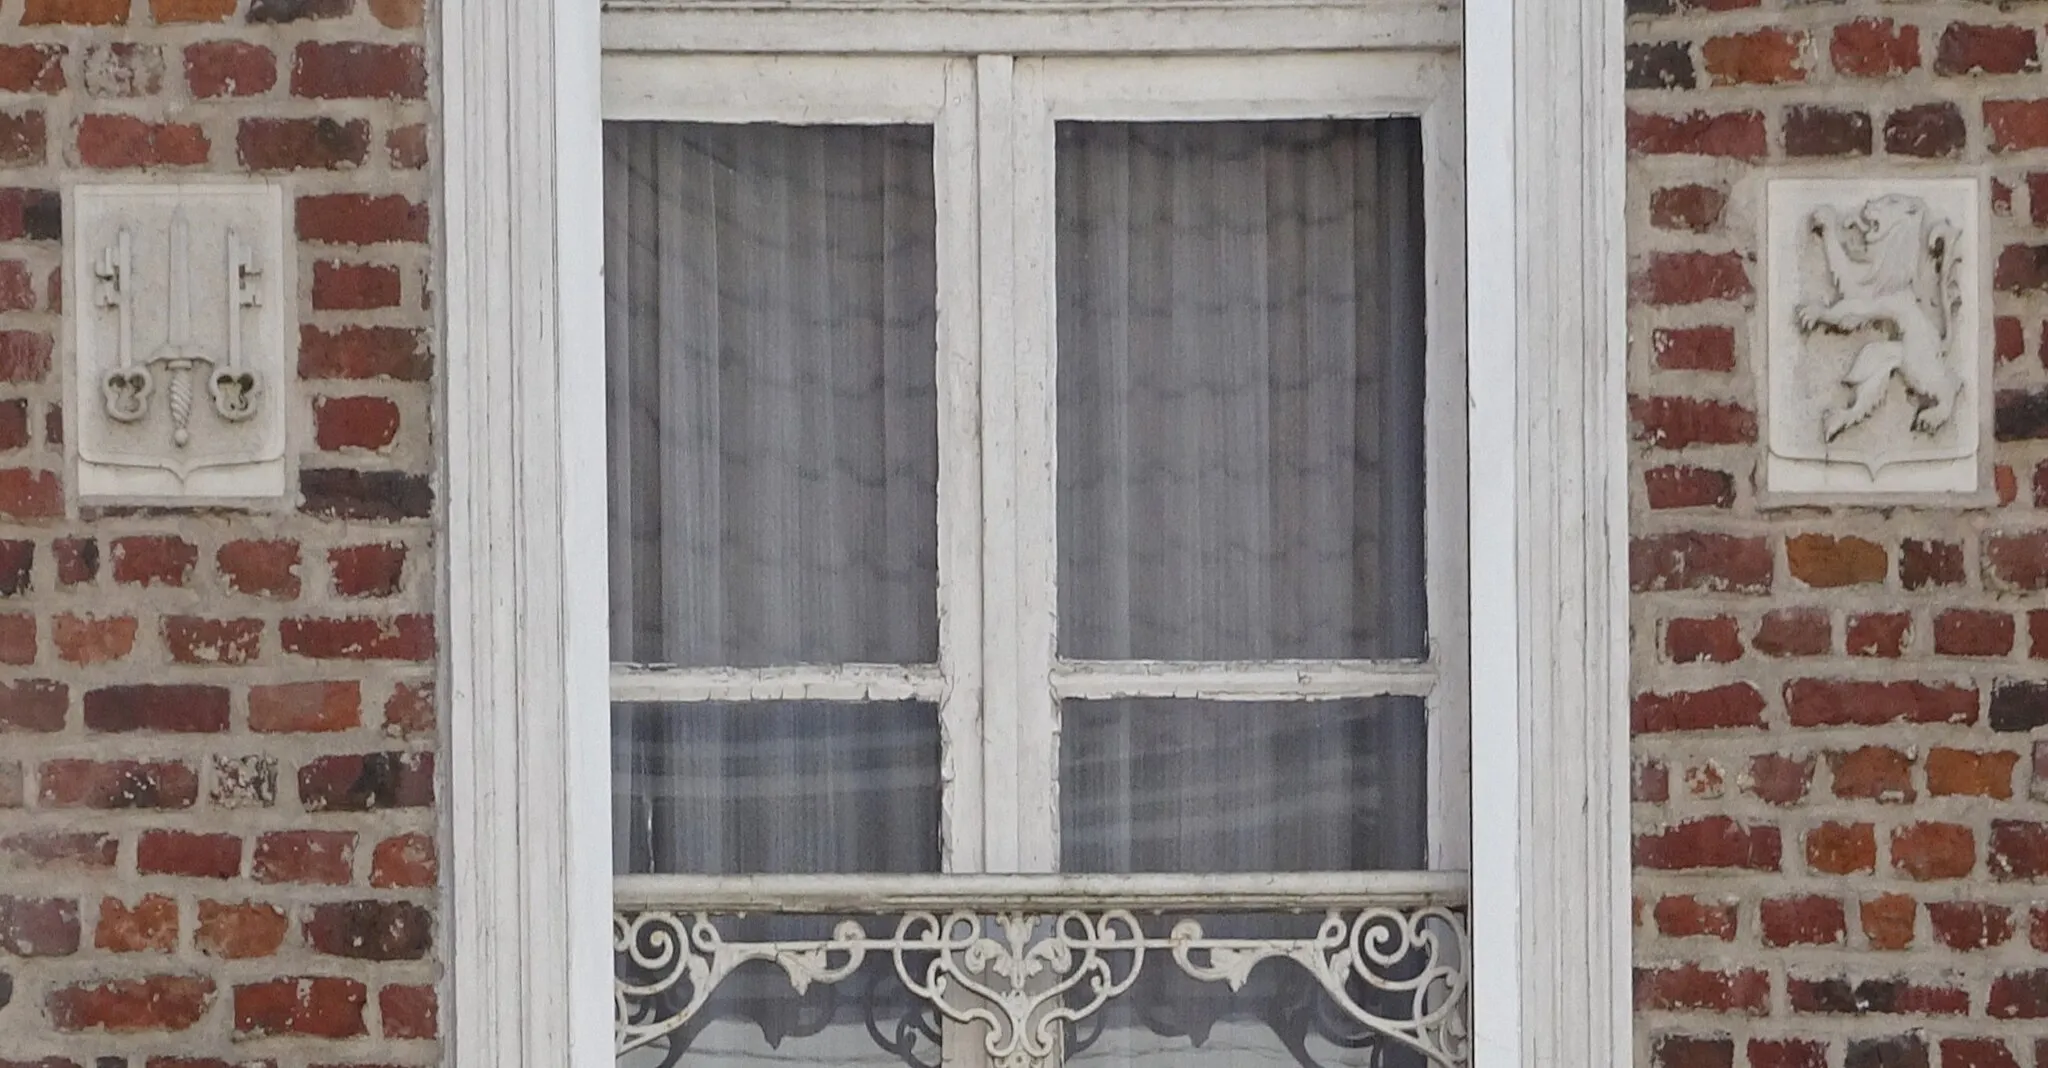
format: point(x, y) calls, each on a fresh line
point(1024, 976)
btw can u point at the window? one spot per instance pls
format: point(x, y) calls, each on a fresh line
point(1037, 510)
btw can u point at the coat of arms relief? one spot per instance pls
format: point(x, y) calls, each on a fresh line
point(1876, 361)
point(178, 368)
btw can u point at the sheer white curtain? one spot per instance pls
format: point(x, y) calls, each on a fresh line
point(774, 463)
point(1240, 385)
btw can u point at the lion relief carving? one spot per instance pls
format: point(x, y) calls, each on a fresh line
point(1893, 266)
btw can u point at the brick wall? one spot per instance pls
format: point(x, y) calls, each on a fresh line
point(1841, 806)
point(217, 729)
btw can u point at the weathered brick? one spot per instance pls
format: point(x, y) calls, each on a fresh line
point(149, 926)
point(325, 858)
point(215, 69)
point(1788, 632)
point(154, 1003)
point(2019, 850)
point(264, 144)
point(1722, 707)
point(75, 13)
point(266, 568)
point(365, 352)
point(189, 854)
point(1872, 773)
point(154, 560)
point(111, 142)
point(354, 423)
point(239, 930)
point(38, 926)
point(2016, 125)
point(1700, 561)
point(177, 708)
point(305, 707)
point(1967, 773)
point(89, 640)
point(1710, 842)
point(362, 782)
point(343, 70)
point(1879, 634)
point(409, 861)
point(1841, 848)
point(1874, 48)
point(196, 640)
point(32, 68)
point(35, 706)
point(313, 1006)
point(1735, 134)
point(1928, 131)
point(1888, 921)
point(409, 1011)
point(370, 930)
point(347, 493)
point(1970, 925)
point(1972, 49)
point(117, 784)
point(1690, 987)
point(1929, 851)
point(1805, 920)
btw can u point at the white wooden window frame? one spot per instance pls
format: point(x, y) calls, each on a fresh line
point(529, 777)
point(993, 120)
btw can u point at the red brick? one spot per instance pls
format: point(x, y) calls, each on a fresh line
point(1814, 132)
point(59, 851)
point(1891, 1051)
point(1691, 208)
point(348, 493)
point(2019, 996)
point(17, 639)
point(176, 708)
point(38, 926)
point(117, 784)
point(274, 11)
point(1735, 134)
point(359, 219)
point(1794, 632)
point(1696, 348)
point(1651, 782)
point(1931, 851)
point(2016, 125)
point(1685, 916)
point(1837, 703)
point(2017, 561)
point(229, 69)
point(1874, 48)
point(1840, 996)
point(409, 861)
point(111, 142)
point(368, 781)
point(75, 13)
point(154, 1003)
point(17, 566)
point(32, 68)
point(1970, 925)
point(305, 707)
point(409, 712)
point(1809, 920)
point(1733, 705)
point(1762, 57)
point(405, 637)
point(2037, 634)
point(92, 640)
point(367, 570)
point(150, 927)
point(1970, 49)
point(2020, 269)
point(2019, 850)
point(341, 286)
point(1872, 773)
point(123, 69)
point(153, 560)
point(1841, 848)
point(1961, 772)
point(1686, 486)
point(24, 356)
point(35, 706)
point(407, 147)
point(2009, 337)
point(1970, 632)
point(1977, 1053)
point(239, 931)
point(317, 857)
point(1879, 634)
point(360, 352)
point(30, 494)
point(1888, 920)
point(409, 1011)
point(1689, 641)
point(24, 138)
point(194, 640)
point(1779, 779)
point(261, 568)
point(1700, 561)
point(78, 560)
point(318, 144)
point(370, 930)
point(1709, 842)
point(319, 1007)
point(340, 423)
point(344, 70)
point(17, 287)
point(170, 11)
point(1926, 131)
point(1679, 278)
point(14, 432)
point(1926, 563)
point(189, 854)
point(1691, 988)
point(1668, 422)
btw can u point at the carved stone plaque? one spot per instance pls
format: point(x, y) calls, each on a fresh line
point(181, 307)
point(1877, 367)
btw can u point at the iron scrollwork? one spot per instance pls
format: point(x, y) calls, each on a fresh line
point(1400, 974)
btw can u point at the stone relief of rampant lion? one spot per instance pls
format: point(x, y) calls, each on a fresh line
point(1894, 267)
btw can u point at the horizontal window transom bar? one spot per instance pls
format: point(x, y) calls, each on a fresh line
point(880, 894)
point(1223, 680)
point(839, 682)
point(1027, 27)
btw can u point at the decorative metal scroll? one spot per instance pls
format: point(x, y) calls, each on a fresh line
point(1027, 978)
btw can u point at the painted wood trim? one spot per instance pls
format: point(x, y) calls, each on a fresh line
point(1249, 680)
point(527, 755)
point(1027, 27)
point(1549, 531)
point(896, 893)
point(840, 682)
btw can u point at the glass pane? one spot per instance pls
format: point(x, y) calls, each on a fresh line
point(772, 344)
point(1163, 785)
point(723, 789)
point(1282, 1016)
point(755, 1019)
point(1241, 389)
